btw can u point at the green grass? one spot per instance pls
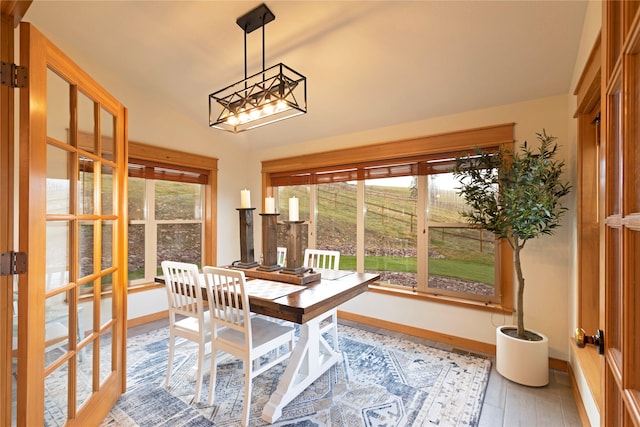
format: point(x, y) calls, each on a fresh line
point(473, 271)
point(466, 270)
point(392, 218)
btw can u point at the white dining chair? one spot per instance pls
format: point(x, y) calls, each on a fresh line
point(281, 256)
point(188, 318)
point(330, 260)
point(320, 258)
point(249, 341)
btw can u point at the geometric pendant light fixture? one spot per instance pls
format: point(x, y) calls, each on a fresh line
point(271, 95)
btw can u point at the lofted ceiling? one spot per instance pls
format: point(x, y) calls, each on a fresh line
point(369, 64)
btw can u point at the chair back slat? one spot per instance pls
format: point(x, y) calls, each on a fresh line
point(319, 258)
point(230, 308)
point(281, 256)
point(182, 282)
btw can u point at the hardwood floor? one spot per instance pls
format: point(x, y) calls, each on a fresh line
point(506, 403)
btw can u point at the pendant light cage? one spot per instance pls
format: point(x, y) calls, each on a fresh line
point(269, 96)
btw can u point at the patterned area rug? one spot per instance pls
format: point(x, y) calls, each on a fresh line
point(382, 381)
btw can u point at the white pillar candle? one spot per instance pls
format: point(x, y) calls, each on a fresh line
point(245, 199)
point(293, 209)
point(269, 205)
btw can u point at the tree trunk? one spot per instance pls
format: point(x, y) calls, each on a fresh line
point(520, 295)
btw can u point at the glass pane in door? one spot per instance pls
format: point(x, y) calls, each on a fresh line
point(57, 240)
point(86, 178)
point(107, 188)
point(85, 248)
point(106, 354)
point(56, 327)
point(107, 122)
point(137, 252)
point(614, 292)
point(86, 123)
point(107, 245)
point(106, 303)
point(58, 107)
point(56, 385)
point(84, 378)
point(136, 198)
point(614, 167)
point(58, 180)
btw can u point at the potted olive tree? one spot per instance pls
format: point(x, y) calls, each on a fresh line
point(516, 195)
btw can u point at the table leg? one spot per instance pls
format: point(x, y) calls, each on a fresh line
point(311, 357)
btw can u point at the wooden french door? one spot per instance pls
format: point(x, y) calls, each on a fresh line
point(621, 204)
point(70, 352)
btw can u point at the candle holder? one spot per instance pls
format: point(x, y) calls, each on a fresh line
point(294, 249)
point(269, 242)
point(246, 239)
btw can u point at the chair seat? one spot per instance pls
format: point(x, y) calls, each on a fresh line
point(192, 325)
point(263, 331)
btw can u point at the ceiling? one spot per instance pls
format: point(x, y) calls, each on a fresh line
point(369, 64)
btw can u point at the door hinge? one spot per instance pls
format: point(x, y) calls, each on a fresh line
point(13, 75)
point(13, 263)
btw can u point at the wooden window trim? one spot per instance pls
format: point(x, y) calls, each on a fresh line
point(401, 151)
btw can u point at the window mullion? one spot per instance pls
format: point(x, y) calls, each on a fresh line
point(423, 234)
point(360, 226)
point(312, 230)
point(151, 230)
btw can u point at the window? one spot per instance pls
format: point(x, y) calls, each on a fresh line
point(412, 232)
point(283, 196)
point(391, 229)
point(165, 223)
point(461, 259)
point(171, 195)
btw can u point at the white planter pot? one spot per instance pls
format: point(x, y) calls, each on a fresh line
point(521, 361)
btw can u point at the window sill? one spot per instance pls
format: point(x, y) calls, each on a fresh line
point(592, 365)
point(440, 299)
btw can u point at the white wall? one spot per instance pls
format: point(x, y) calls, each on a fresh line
point(545, 261)
point(590, 31)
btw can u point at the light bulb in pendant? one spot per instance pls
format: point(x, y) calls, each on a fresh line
point(268, 109)
point(254, 114)
point(232, 120)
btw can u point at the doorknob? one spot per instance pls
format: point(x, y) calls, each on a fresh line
point(583, 339)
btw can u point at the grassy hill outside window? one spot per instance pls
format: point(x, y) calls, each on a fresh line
point(399, 216)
